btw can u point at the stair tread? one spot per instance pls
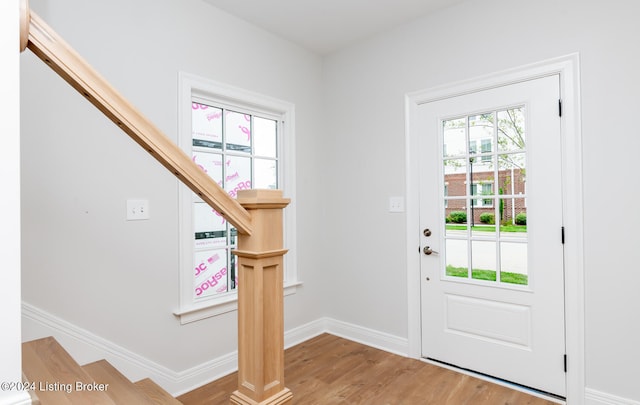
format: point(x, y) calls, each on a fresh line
point(119, 388)
point(58, 378)
point(157, 394)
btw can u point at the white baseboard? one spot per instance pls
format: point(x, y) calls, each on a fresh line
point(86, 347)
point(369, 337)
point(304, 332)
point(593, 397)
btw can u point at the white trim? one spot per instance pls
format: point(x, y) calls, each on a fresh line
point(568, 69)
point(304, 332)
point(228, 303)
point(370, 337)
point(366, 336)
point(190, 85)
point(594, 397)
point(85, 347)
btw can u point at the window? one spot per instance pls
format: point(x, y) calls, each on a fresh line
point(239, 151)
point(485, 147)
point(473, 147)
point(482, 189)
point(242, 140)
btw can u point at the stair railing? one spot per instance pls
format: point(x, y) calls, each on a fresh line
point(257, 214)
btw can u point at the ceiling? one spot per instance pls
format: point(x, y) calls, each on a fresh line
point(324, 26)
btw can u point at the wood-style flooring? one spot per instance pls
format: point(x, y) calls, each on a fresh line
point(329, 370)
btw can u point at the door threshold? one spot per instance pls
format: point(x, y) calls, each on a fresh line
point(495, 380)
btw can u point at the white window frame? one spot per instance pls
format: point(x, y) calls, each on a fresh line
point(190, 87)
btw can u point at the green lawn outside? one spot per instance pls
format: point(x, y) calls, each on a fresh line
point(487, 228)
point(489, 275)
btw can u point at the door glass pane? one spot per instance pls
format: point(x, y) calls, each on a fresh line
point(512, 171)
point(483, 260)
point(519, 214)
point(480, 134)
point(455, 137)
point(456, 216)
point(485, 197)
point(484, 225)
point(481, 171)
point(455, 191)
point(511, 135)
point(455, 177)
point(513, 161)
point(513, 263)
point(457, 258)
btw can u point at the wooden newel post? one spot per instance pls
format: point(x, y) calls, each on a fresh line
point(260, 302)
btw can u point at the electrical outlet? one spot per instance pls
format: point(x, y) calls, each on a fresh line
point(137, 210)
point(396, 204)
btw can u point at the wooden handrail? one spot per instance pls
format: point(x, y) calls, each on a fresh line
point(60, 57)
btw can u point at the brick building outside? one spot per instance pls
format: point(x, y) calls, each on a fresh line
point(510, 190)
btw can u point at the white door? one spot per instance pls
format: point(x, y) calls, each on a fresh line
point(492, 284)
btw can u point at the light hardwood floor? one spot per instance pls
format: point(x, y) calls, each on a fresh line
point(329, 370)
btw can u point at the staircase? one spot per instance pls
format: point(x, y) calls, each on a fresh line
point(55, 378)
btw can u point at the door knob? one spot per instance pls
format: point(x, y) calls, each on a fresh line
point(427, 232)
point(427, 250)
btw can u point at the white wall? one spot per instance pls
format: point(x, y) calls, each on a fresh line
point(82, 262)
point(364, 90)
point(10, 359)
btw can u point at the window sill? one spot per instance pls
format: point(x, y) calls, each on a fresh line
point(221, 305)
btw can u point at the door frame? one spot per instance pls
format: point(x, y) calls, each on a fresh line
point(568, 69)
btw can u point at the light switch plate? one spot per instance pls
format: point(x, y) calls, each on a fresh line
point(138, 210)
point(396, 204)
